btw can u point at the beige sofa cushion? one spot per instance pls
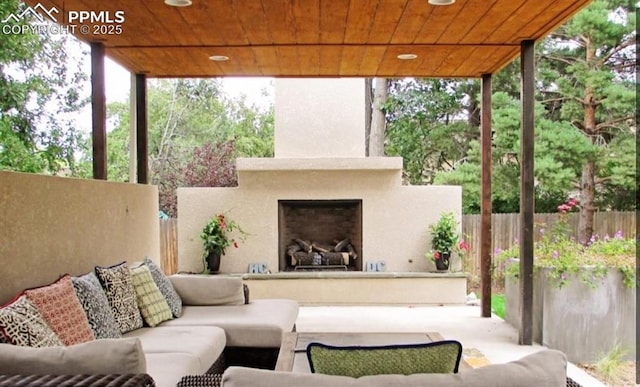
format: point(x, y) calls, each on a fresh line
point(196, 289)
point(545, 368)
point(204, 343)
point(167, 369)
point(258, 324)
point(105, 356)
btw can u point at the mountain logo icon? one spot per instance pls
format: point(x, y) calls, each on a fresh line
point(36, 12)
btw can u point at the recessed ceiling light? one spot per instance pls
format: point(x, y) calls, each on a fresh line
point(178, 3)
point(441, 2)
point(407, 56)
point(219, 58)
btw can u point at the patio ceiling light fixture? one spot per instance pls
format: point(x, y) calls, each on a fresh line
point(178, 3)
point(441, 2)
point(407, 56)
point(219, 58)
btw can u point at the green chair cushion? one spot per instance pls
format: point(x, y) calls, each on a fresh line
point(406, 359)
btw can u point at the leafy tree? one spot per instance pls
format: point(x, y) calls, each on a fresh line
point(589, 79)
point(195, 134)
point(560, 150)
point(38, 97)
point(211, 165)
point(427, 126)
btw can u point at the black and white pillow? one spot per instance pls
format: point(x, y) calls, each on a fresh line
point(117, 285)
point(166, 288)
point(22, 324)
point(96, 306)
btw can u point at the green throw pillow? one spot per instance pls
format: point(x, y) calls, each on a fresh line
point(438, 357)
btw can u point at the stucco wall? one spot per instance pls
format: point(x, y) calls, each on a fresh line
point(395, 217)
point(331, 124)
point(51, 226)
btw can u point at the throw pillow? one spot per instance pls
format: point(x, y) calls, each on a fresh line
point(61, 309)
point(166, 288)
point(438, 357)
point(96, 306)
point(117, 285)
point(21, 324)
point(151, 302)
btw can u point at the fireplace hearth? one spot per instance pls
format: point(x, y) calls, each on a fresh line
point(320, 235)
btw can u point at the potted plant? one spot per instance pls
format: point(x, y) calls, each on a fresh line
point(216, 237)
point(444, 239)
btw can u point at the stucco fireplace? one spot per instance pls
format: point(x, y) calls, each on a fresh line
point(319, 174)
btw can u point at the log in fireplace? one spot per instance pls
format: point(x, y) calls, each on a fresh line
point(320, 234)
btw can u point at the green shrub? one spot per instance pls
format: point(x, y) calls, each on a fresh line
point(563, 255)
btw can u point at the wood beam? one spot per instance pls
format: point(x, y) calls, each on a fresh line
point(527, 69)
point(485, 203)
point(133, 133)
point(98, 112)
point(142, 137)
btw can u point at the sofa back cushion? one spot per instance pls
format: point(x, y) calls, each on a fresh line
point(545, 368)
point(152, 305)
point(207, 290)
point(166, 288)
point(107, 356)
point(22, 324)
point(117, 285)
point(61, 309)
point(96, 307)
point(355, 361)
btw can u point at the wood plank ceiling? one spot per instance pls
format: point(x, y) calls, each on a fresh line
point(319, 38)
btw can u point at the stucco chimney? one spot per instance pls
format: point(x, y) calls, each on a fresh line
point(319, 118)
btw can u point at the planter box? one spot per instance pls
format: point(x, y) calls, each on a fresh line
point(512, 301)
point(585, 322)
point(580, 320)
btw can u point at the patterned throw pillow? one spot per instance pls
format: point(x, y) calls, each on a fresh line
point(21, 324)
point(153, 306)
point(117, 285)
point(96, 306)
point(440, 357)
point(61, 309)
point(166, 288)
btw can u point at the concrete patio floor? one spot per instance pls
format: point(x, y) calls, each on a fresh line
point(495, 338)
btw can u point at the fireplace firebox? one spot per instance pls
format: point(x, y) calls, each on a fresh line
point(320, 235)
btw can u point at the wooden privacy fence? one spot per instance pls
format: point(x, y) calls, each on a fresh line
point(505, 230)
point(169, 245)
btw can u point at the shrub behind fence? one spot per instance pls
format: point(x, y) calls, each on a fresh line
point(505, 229)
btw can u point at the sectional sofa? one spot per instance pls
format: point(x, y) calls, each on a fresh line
point(174, 326)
